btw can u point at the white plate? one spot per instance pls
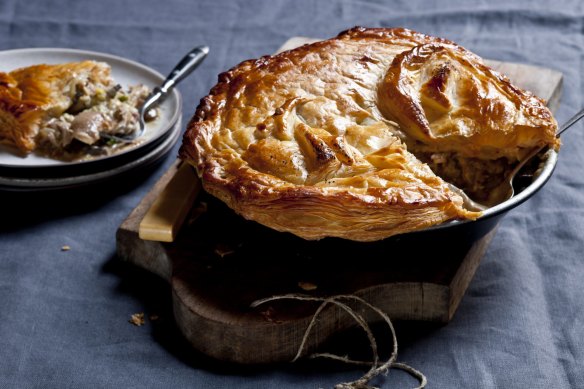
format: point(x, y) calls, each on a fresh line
point(125, 72)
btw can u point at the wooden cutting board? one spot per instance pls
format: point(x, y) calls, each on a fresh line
point(218, 264)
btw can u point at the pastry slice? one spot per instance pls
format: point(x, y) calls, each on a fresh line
point(55, 109)
point(331, 139)
point(468, 122)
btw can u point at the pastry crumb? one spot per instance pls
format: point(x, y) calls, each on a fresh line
point(308, 286)
point(65, 248)
point(137, 319)
point(223, 250)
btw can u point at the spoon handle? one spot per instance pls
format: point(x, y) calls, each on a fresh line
point(571, 122)
point(185, 67)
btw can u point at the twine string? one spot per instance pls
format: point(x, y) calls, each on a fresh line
point(375, 367)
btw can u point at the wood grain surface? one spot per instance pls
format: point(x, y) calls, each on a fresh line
point(220, 263)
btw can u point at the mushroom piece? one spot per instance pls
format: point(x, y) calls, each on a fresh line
point(87, 126)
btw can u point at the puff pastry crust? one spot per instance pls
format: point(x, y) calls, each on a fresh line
point(33, 95)
point(337, 138)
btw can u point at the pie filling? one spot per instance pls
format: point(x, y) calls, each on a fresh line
point(475, 176)
point(96, 110)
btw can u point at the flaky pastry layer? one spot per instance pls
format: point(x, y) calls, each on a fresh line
point(314, 141)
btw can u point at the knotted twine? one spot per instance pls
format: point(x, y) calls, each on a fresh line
point(377, 368)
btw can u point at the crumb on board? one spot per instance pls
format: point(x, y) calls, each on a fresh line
point(137, 319)
point(65, 248)
point(223, 250)
point(308, 286)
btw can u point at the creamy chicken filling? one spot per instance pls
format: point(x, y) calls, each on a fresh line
point(94, 112)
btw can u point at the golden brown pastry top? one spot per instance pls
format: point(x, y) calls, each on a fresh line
point(309, 142)
point(31, 95)
point(445, 97)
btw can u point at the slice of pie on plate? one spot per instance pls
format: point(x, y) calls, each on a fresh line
point(61, 109)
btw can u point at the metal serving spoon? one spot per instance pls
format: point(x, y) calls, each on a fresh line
point(506, 190)
point(185, 67)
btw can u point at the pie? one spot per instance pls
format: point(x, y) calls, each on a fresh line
point(362, 136)
point(62, 109)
